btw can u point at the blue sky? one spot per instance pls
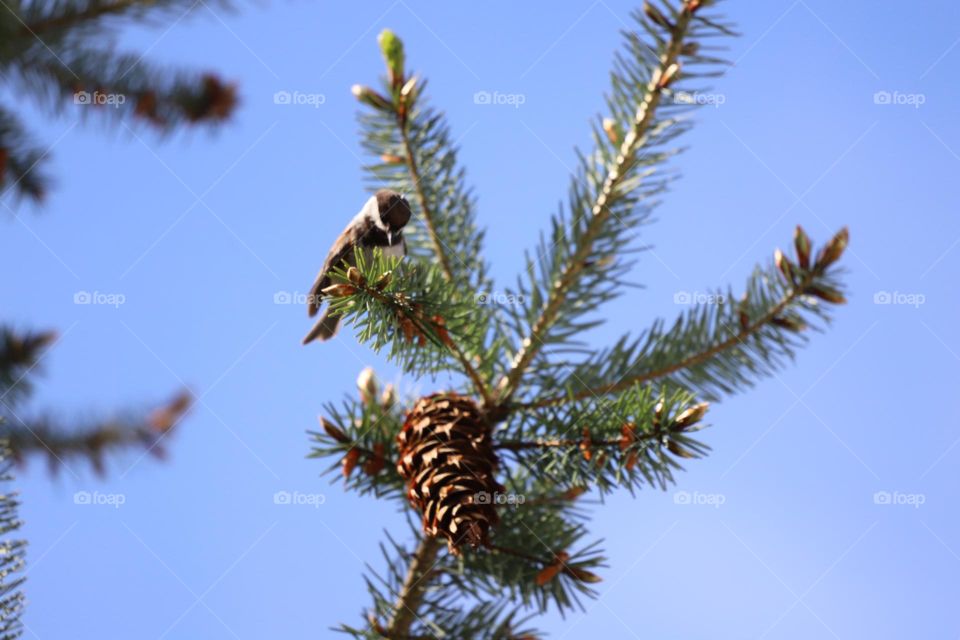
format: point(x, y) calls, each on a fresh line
point(784, 535)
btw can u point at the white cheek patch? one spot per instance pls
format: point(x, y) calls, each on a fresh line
point(374, 213)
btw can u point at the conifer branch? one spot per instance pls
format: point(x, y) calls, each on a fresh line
point(414, 587)
point(59, 443)
point(802, 289)
point(11, 555)
point(431, 319)
point(72, 16)
point(618, 171)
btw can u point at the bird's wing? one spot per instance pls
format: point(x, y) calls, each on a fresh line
point(342, 251)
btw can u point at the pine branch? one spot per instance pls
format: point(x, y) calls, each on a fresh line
point(52, 20)
point(11, 556)
point(632, 440)
point(19, 159)
point(414, 586)
point(20, 354)
point(417, 155)
point(70, 15)
point(59, 443)
point(121, 87)
point(361, 435)
point(539, 555)
point(611, 186)
point(62, 55)
point(720, 346)
point(409, 307)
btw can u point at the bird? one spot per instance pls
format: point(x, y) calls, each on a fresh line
point(379, 223)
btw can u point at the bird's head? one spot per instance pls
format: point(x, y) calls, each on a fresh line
point(394, 211)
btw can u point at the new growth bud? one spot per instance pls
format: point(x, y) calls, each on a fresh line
point(392, 48)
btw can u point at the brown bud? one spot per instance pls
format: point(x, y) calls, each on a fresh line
point(672, 73)
point(383, 281)
point(744, 321)
point(340, 290)
point(690, 49)
point(350, 462)
point(547, 574)
point(628, 435)
point(802, 244)
point(785, 266)
point(658, 413)
point(631, 461)
point(354, 276)
point(833, 249)
point(440, 327)
point(376, 462)
point(389, 158)
point(585, 445)
point(612, 130)
point(691, 416)
point(573, 493)
point(389, 397)
point(333, 430)
point(408, 87)
point(788, 323)
point(826, 293)
point(370, 97)
point(583, 575)
point(679, 451)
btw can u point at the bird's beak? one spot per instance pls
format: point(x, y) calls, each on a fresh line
point(390, 238)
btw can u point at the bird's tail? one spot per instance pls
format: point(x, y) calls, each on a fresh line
point(325, 328)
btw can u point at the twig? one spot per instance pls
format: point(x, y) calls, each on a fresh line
point(414, 587)
point(689, 361)
point(438, 248)
point(91, 13)
point(600, 211)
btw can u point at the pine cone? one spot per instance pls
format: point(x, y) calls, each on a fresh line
point(446, 455)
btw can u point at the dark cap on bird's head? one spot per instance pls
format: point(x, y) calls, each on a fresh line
point(394, 209)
